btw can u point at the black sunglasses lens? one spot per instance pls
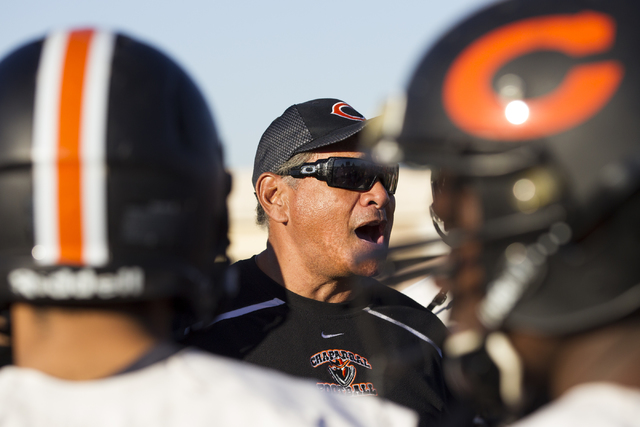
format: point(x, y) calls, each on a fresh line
point(357, 174)
point(350, 174)
point(390, 179)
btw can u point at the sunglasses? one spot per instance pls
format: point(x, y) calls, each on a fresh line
point(349, 173)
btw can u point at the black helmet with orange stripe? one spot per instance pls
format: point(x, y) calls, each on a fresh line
point(532, 106)
point(111, 172)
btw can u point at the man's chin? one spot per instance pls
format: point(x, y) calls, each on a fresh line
point(367, 267)
point(367, 261)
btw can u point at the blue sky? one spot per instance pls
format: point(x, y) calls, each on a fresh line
point(252, 59)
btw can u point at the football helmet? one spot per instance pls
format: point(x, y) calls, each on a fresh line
point(112, 175)
point(534, 105)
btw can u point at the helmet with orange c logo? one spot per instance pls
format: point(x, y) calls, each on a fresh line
point(534, 104)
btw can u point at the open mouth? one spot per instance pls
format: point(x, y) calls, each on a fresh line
point(372, 232)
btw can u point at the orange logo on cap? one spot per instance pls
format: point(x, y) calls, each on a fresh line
point(337, 110)
point(473, 105)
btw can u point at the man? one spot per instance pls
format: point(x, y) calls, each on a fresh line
point(114, 224)
point(528, 111)
point(307, 305)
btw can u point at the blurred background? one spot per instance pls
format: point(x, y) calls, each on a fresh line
point(253, 59)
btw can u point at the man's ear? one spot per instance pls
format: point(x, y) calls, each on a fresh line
point(272, 194)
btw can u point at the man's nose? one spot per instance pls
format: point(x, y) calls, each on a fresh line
point(376, 195)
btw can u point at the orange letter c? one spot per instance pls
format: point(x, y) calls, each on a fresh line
point(473, 105)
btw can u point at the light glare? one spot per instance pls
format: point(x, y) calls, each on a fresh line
point(517, 112)
point(38, 252)
point(524, 190)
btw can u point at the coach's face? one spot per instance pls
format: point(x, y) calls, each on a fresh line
point(340, 230)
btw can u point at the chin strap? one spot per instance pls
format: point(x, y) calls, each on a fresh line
point(487, 368)
point(484, 366)
point(523, 265)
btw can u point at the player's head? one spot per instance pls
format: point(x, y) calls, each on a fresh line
point(112, 175)
point(339, 205)
point(292, 137)
point(527, 111)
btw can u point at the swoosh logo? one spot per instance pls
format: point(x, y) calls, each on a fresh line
point(331, 335)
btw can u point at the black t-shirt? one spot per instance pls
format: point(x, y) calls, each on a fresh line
point(381, 343)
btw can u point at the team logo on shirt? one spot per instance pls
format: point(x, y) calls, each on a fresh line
point(342, 367)
point(343, 372)
point(338, 356)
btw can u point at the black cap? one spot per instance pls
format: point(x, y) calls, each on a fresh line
point(305, 127)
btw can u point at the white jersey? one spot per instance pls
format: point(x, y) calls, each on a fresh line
point(191, 389)
point(589, 405)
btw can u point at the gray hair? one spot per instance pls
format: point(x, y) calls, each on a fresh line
point(283, 170)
